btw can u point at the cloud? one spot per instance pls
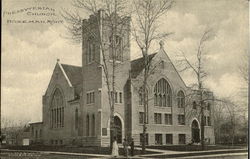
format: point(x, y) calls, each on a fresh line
point(27, 66)
point(29, 52)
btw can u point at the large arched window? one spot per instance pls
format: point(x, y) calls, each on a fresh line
point(162, 94)
point(57, 110)
point(180, 99)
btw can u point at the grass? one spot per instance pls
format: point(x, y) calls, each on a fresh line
point(195, 147)
point(88, 150)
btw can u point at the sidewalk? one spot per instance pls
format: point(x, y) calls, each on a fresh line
point(160, 154)
point(172, 154)
point(60, 153)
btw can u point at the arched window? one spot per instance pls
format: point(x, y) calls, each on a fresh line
point(91, 50)
point(180, 99)
point(57, 113)
point(194, 105)
point(116, 48)
point(76, 119)
point(87, 125)
point(93, 125)
point(162, 94)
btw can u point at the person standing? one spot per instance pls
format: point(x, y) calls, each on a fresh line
point(125, 147)
point(115, 149)
point(132, 147)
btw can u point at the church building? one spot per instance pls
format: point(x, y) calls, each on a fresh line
point(76, 108)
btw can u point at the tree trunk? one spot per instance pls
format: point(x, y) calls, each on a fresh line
point(202, 129)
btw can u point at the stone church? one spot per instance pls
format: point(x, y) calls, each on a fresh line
point(76, 109)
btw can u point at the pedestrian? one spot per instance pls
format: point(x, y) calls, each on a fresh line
point(132, 147)
point(115, 149)
point(125, 147)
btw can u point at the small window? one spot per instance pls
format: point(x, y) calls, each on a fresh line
point(181, 119)
point(208, 121)
point(182, 139)
point(40, 133)
point(169, 138)
point(168, 119)
point(208, 106)
point(87, 125)
point(120, 97)
point(36, 135)
point(157, 118)
point(180, 99)
point(90, 97)
point(141, 139)
point(158, 139)
point(141, 114)
point(61, 142)
point(93, 125)
point(104, 132)
point(76, 119)
point(194, 105)
point(205, 120)
point(116, 97)
point(141, 118)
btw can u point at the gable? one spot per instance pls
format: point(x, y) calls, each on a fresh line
point(169, 71)
point(67, 76)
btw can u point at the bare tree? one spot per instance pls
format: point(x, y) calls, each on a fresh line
point(117, 21)
point(219, 117)
point(198, 68)
point(145, 31)
point(13, 128)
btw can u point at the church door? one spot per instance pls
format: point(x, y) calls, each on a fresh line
point(118, 129)
point(195, 132)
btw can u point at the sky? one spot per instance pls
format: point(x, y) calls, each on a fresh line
point(30, 51)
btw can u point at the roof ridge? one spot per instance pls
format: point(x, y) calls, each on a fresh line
point(143, 57)
point(70, 65)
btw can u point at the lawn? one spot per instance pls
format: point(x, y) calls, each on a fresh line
point(195, 147)
point(88, 150)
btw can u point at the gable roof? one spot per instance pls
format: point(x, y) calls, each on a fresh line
point(74, 74)
point(137, 65)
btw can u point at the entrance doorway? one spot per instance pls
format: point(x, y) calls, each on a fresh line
point(195, 132)
point(118, 129)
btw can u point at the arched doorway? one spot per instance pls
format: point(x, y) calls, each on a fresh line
point(195, 131)
point(118, 129)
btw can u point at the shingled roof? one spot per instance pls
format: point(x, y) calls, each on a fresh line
point(74, 73)
point(137, 65)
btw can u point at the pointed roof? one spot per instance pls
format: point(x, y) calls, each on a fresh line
point(137, 65)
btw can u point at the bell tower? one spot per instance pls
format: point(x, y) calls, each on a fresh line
point(102, 39)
